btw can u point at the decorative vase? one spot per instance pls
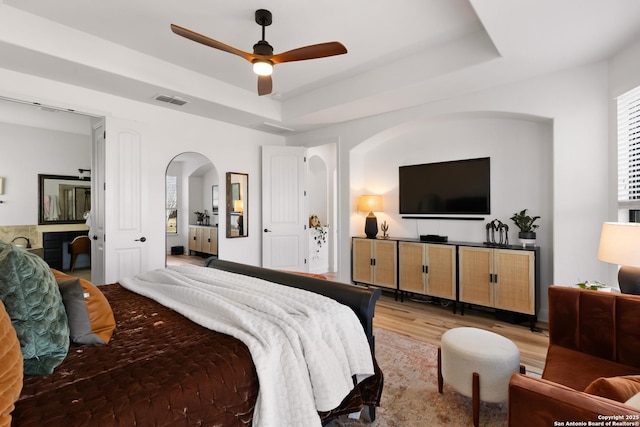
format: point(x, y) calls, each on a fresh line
point(527, 238)
point(371, 226)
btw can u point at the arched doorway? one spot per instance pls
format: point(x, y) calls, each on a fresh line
point(322, 201)
point(192, 200)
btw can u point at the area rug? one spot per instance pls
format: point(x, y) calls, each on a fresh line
point(410, 396)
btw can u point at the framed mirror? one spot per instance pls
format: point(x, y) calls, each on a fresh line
point(237, 204)
point(63, 199)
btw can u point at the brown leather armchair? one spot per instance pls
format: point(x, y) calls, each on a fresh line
point(591, 335)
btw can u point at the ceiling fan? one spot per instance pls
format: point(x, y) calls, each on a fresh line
point(262, 57)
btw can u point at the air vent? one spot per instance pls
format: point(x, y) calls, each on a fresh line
point(175, 100)
point(272, 128)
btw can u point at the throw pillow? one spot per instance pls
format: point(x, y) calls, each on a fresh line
point(10, 367)
point(619, 389)
point(634, 401)
point(32, 299)
point(91, 319)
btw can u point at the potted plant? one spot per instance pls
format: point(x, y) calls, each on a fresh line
point(525, 223)
point(199, 217)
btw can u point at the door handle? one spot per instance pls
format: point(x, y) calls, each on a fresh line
point(266, 230)
point(142, 239)
point(94, 237)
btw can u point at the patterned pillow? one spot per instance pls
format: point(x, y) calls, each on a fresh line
point(10, 367)
point(32, 299)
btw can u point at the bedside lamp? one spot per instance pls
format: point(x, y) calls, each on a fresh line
point(620, 244)
point(370, 203)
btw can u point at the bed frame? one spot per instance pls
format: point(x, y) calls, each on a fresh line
point(360, 299)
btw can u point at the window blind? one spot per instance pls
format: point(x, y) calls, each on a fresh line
point(629, 149)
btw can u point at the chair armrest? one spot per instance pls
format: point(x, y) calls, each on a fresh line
point(538, 402)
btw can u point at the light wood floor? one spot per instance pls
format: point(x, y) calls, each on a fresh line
point(427, 322)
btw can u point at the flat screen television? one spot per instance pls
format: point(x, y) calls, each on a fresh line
point(453, 187)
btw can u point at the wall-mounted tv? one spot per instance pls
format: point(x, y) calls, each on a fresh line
point(453, 187)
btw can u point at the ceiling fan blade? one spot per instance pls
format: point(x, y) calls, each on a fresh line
point(265, 85)
point(199, 38)
point(314, 51)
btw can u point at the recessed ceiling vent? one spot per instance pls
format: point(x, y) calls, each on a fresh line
point(175, 100)
point(272, 128)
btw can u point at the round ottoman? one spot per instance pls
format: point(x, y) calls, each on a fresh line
point(477, 364)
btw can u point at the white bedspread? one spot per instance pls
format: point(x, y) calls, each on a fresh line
point(305, 347)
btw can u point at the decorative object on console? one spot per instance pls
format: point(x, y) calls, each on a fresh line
point(525, 223)
point(619, 245)
point(370, 203)
point(433, 238)
point(503, 233)
point(199, 217)
point(385, 229)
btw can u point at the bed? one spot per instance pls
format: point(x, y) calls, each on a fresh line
point(160, 368)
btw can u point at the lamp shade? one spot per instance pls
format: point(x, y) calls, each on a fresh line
point(370, 203)
point(238, 206)
point(620, 243)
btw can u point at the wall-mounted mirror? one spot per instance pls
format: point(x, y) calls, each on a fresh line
point(237, 204)
point(63, 199)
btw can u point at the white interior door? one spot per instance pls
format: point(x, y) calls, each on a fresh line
point(284, 208)
point(125, 239)
point(96, 226)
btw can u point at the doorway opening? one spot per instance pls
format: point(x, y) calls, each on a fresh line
point(64, 141)
point(191, 211)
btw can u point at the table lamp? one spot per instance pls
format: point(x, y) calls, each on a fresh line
point(238, 206)
point(370, 203)
point(620, 244)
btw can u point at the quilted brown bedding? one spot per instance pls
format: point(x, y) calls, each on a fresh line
point(159, 369)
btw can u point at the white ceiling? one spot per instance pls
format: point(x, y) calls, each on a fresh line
point(400, 53)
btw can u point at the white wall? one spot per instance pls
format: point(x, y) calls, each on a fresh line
point(165, 134)
point(520, 153)
point(27, 151)
point(575, 101)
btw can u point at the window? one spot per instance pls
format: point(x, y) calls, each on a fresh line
point(629, 149)
point(172, 204)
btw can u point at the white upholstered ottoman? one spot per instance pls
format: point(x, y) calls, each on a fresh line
point(477, 364)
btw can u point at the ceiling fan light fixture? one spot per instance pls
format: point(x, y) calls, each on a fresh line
point(262, 68)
